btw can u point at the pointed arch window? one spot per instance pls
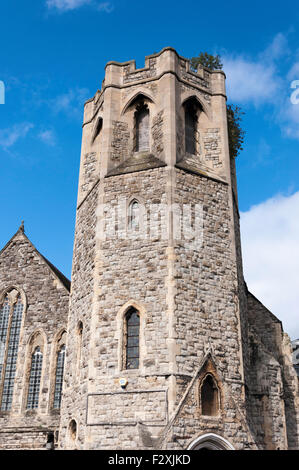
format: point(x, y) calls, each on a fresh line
point(191, 109)
point(132, 338)
point(79, 348)
point(142, 128)
point(73, 430)
point(97, 129)
point(11, 313)
point(134, 215)
point(209, 397)
point(59, 377)
point(35, 379)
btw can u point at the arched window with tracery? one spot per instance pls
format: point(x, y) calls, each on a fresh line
point(209, 397)
point(59, 377)
point(191, 109)
point(132, 334)
point(35, 379)
point(142, 137)
point(11, 312)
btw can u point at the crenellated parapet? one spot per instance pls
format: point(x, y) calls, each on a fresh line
point(171, 94)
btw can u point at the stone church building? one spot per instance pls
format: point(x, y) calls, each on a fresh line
point(157, 344)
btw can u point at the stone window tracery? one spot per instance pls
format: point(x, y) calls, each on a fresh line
point(142, 128)
point(35, 379)
point(190, 129)
point(59, 377)
point(11, 313)
point(132, 333)
point(192, 111)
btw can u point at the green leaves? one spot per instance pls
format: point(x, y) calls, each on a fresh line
point(206, 60)
point(235, 131)
point(234, 113)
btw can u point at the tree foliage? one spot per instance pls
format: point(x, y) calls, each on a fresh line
point(234, 113)
point(206, 60)
point(235, 132)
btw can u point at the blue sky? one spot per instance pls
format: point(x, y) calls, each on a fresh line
point(53, 55)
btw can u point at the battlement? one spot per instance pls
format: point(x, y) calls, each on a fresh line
point(167, 61)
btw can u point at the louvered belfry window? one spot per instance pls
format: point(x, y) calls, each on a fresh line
point(59, 377)
point(142, 129)
point(35, 379)
point(132, 339)
point(11, 313)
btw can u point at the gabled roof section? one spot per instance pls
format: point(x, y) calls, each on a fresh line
point(271, 315)
point(58, 274)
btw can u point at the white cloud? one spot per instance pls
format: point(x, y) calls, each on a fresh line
point(290, 117)
point(65, 5)
point(294, 72)
point(68, 5)
point(9, 136)
point(107, 7)
point(256, 80)
point(277, 49)
point(288, 113)
point(270, 245)
point(249, 81)
point(48, 137)
point(70, 102)
point(260, 81)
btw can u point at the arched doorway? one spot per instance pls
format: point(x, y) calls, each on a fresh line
point(210, 441)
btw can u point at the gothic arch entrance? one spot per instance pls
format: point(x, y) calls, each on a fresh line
point(210, 442)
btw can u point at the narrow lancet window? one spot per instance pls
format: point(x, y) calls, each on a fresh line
point(79, 347)
point(209, 397)
point(10, 326)
point(97, 129)
point(4, 317)
point(73, 430)
point(142, 128)
point(132, 338)
point(35, 379)
point(59, 377)
point(134, 215)
point(190, 127)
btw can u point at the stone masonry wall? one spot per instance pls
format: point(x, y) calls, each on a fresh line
point(78, 355)
point(47, 308)
point(206, 306)
point(206, 277)
point(119, 144)
point(128, 269)
point(272, 378)
point(89, 169)
point(157, 133)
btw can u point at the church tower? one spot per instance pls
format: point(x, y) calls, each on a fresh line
point(157, 352)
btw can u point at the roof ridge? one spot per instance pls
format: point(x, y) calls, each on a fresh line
point(62, 278)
